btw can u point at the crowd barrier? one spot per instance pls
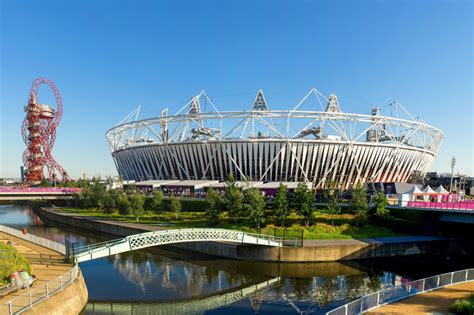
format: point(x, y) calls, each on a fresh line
point(402, 291)
point(8, 189)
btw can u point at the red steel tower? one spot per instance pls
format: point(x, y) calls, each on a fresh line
point(39, 135)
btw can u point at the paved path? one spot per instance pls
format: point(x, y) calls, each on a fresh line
point(46, 264)
point(434, 302)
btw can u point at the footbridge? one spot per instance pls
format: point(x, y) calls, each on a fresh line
point(165, 237)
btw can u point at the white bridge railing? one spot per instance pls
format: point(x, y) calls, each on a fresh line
point(164, 237)
point(405, 290)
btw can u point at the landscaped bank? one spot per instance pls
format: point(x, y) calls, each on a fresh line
point(312, 250)
point(59, 287)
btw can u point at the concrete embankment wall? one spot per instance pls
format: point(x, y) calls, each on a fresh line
point(312, 251)
point(71, 300)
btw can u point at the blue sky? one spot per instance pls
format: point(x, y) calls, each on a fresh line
point(106, 57)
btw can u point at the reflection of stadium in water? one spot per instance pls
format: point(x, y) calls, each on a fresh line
point(157, 278)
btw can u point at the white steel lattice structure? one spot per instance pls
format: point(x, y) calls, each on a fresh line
point(275, 145)
point(150, 239)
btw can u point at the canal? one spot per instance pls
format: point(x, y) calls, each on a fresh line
point(166, 281)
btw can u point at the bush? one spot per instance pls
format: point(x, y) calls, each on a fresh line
point(10, 261)
point(462, 307)
point(188, 205)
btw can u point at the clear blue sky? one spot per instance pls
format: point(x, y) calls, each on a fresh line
point(107, 57)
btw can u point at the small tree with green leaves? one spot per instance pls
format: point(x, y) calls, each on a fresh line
point(381, 202)
point(109, 201)
point(45, 183)
point(281, 204)
point(156, 200)
point(136, 205)
point(212, 206)
point(303, 202)
point(333, 198)
point(359, 202)
point(233, 199)
point(123, 204)
point(254, 204)
point(175, 206)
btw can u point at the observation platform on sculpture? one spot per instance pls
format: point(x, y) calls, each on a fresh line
point(166, 237)
point(31, 193)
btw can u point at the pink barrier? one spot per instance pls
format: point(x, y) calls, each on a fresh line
point(462, 205)
point(7, 189)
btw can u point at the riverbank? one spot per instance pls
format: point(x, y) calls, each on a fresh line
point(311, 251)
point(47, 265)
point(434, 302)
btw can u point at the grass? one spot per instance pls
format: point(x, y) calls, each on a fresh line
point(10, 261)
point(344, 224)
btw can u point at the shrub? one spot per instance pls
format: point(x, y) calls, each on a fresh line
point(10, 261)
point(462, 307)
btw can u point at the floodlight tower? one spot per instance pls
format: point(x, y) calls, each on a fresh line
point(453, 163)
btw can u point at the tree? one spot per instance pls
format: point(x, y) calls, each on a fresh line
point(233, 198)
point(281, 204)
point(254, 204)
point(359, 202)
point(380, 202)
point(332, 196)
point(45, 183)
point(136, 205)
point(123, 204)
point(109, 201)
point(175, 206)
point(303, 202)
point(212, 205)
point(156, 200)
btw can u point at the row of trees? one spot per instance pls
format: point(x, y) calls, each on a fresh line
point(96, 195)
point(245, 203)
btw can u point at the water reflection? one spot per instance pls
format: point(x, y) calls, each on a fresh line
point(163, 280)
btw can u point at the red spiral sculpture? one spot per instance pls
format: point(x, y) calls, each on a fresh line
point(39, 134)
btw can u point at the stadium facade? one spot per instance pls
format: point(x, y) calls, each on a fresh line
point(262, 144)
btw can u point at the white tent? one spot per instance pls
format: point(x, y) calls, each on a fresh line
point(441, 190)
point(412, 193)
point(429, 190)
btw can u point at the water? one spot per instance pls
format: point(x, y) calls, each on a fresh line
point(164, 281)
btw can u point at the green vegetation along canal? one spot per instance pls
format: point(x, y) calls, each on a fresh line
point(157, 281)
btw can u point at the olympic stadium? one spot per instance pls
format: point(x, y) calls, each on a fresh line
point(315, 142)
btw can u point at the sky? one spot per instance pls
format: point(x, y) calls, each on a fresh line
point(107, 57)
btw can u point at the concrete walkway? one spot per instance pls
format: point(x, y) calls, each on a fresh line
point(434, 302)
point(46, 264)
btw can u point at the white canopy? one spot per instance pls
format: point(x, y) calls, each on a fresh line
point(441, 190)
point(415, 191)
point(429, 190)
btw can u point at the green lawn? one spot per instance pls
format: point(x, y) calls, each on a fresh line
point(322, 228)
point(10, 261)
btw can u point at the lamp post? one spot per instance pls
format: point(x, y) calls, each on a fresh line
point(453, 163)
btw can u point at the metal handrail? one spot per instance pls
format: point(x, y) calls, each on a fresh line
point(60, 248)
point(35, 295)
point(405, 290)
